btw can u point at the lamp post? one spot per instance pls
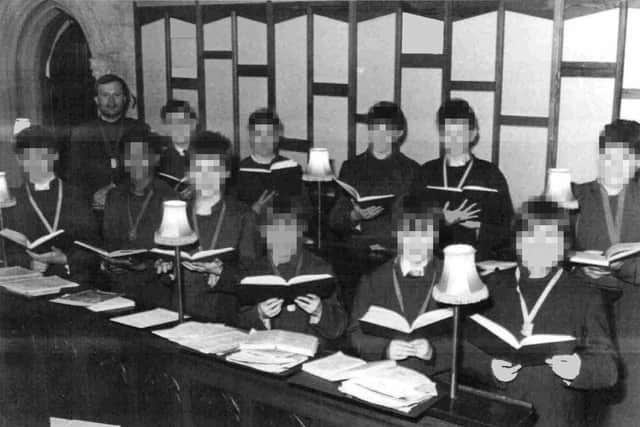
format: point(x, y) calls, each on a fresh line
point(6, 201)
point(175, 231)
point(459, 285)
point(319, 171)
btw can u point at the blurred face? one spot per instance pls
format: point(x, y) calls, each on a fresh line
point(617, 164)
point(283, 233)
point(541, 246)
point(382, 136)
point(415, 243)
point(179, 126)
point(457, 136)
point(139, 161)
point(263, 138)
point(37, 163)
point(111, 100)
point(207, 172)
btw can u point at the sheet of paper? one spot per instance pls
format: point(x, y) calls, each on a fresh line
point(147, 319)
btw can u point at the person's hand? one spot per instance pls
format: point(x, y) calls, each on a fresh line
point(616, 266)
point(38, 266)
point(55, 256)
point(187, 193)
point(213, 267)
point(359, 214)
point(310, 303)
point(400, 350)
point(100, 197)
point(595, 272)
point(162, 266)
point(263, 200)
point(463, 213)
point(504, 371)
point(422, 348)
point(113, 266)
point(270, 308)
point(566, 366)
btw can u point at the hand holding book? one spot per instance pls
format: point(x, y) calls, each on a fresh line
point(566, 366)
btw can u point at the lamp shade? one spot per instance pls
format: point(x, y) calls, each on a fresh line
point(319, 167)
point(20, 125)
point(460, 283)
point(6, 200)
point(559, 188)
point(175, 229)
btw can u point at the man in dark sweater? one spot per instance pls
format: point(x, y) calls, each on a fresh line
point(44, 204)
point(95, 162)
point(179, 123)
point(481, 216)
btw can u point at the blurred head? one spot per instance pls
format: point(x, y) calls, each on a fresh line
point(265, 129)
point(542, 234)
point(37, 152)
point(141, 153)
point(618, 147)
point(283, 232)
point(112, 97)
point(458, 127)
point(179, 122)
point(386, 125)
point(416, 232)
point(208, 163)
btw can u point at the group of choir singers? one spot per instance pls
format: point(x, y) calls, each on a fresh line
point(110, 195)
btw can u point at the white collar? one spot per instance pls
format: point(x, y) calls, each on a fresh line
point(406, 265)
point(459, 160)
point(44, 185)
point(180, 150)
point(203, 206)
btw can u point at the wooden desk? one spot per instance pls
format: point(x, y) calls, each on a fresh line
point(78, 364)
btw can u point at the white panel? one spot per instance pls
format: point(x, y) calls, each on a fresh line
point(330, 127)
point(473, 48)
point(331, 50)
point(591, 37)
point(482, 104)
point(252, 42)
point(420, 101)
point(375, 68)
point(585, 107)
point(523, 154)
point(632, 47)
point(526, 72)
point(219, 96)
point(630, 109)
point(421, 35)
point(291, 76)
point(153, 72)
point(191, 96)
point(217, 35)
point(183, 49)
point(253, 95)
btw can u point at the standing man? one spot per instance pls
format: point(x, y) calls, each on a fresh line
point(95, 160)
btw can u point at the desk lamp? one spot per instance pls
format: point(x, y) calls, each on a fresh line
point(319, 171)
point(6, 201)
point(558, 188)
point(175, 231)
point(459, 285)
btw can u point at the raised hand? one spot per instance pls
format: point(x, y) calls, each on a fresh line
point(464, 212)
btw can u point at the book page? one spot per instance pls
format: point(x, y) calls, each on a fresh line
point(371, 198)
point(333, 367)
point(498, 330)
point(42, 239)
point(430, 317)
point(9, 273)
point(545, 339)
point(479, 188)
point(294, 342)
point(441, 188)
point(589, 258)
point(284, 164)
point(308, 278)
point(117, 303)
point(348, 188)
point(263, 280)
point(622, 250)
point(146, 319)
point(15, 236)
point(85, 298)
point(388, 318)
point(208, 253)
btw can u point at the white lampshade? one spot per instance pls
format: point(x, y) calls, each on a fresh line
point(20, 125)
point(319, 167)
point(558, 188)
point(6, 200)
point(175, 229)
point(460, 283)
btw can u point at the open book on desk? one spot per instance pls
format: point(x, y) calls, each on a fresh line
point(42, 244)
point(96, 300)
point(383, 200)
point(149, 318)
point(178, 184)
point(10, 274)
point(278, 339)
point(208, 338)
point(385, 323)
point(615, 253)
point(38, 286)
point(255, 289)
point(284, 177)
point(495, 340)
point(339, 367)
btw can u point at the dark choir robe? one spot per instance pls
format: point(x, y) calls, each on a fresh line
point(143, 286)
point(333, 320)
point(376, 288)
point(75, 218)
point(573, 309)
point(92, 146)
point(174, 163)
point(591, 233)
point(371, 176)
point(493, 240)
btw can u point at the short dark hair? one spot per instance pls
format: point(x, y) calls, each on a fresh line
point(625, 132)
point(264, 116)
point(154, 142)
point(419, 212)
point(538, 210)
point(35, 137)
point(457, 108)
point(177, 106)
point(388, 112)
point(213, 143)
point(110, 78)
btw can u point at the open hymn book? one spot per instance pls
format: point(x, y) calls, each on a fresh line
point(254, 289)
point(386, 323)
point(615, 253)
point(121, 253)
point(41, 245)
point(199, 256)
point(496, 340)
point(383, 200)
point(284, 177)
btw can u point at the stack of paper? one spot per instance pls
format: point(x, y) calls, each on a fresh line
point(14, 273)
point(273, 361)
point(96, 300)
point(277, 339)
point(37, 286)
point(209, 338)
point(147, 319)
point(395, 387)
point(339, 366)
